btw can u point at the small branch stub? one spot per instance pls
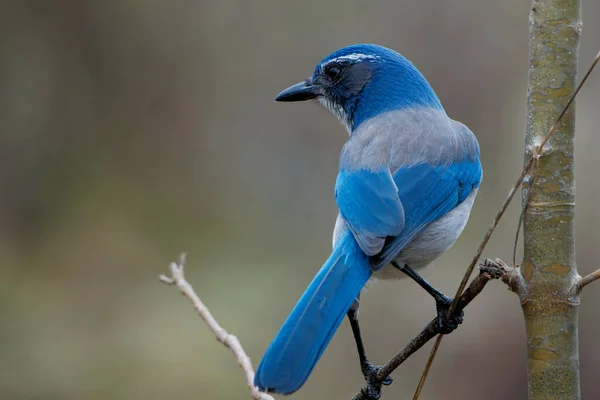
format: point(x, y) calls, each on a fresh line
point(590, 278)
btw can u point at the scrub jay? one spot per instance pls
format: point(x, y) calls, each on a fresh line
point(407, 180)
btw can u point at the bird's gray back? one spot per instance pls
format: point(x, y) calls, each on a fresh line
point(408, 137)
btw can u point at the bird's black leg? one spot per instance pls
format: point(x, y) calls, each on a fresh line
point(442, 302)
point(369, 370)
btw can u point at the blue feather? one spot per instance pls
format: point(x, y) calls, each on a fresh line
point(369, 201)
point(428, 193)
point(307, 331)
point(399, 206)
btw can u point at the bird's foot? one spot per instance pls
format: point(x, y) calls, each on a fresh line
point(373, 388)
point(447, 324)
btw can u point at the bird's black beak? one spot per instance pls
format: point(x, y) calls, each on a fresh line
point(299, 92)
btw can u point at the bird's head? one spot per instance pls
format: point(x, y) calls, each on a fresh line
point(358, 82)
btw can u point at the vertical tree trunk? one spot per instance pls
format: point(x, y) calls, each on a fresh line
point(548, 269)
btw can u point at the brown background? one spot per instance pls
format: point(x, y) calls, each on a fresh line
point(133, 130)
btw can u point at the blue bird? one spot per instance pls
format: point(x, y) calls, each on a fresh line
point(408, 177)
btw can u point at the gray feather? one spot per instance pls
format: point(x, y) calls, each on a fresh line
point(408, 137)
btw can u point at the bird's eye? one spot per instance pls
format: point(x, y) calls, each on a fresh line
point(333, 71)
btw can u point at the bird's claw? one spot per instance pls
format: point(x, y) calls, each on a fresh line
point(373, 389)
point(447, 324)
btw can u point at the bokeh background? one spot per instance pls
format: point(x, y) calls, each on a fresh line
point(131, 131)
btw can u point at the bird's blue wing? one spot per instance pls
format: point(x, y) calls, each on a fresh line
point(369, 202)
point(385, 212)
point(427, 193)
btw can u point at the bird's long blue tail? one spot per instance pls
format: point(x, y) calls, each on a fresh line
point(305, 334)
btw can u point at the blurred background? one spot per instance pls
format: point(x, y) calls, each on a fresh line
point(131, 131)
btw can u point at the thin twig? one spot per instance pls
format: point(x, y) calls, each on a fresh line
point(590, 278)
point(177, 278)
point(423, 379)
point(537, 153)
point(488, 270)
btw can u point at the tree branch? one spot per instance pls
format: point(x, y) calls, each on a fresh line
point(178, 279)
point(488, 270)
point(590, 278)
point(549, 268)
